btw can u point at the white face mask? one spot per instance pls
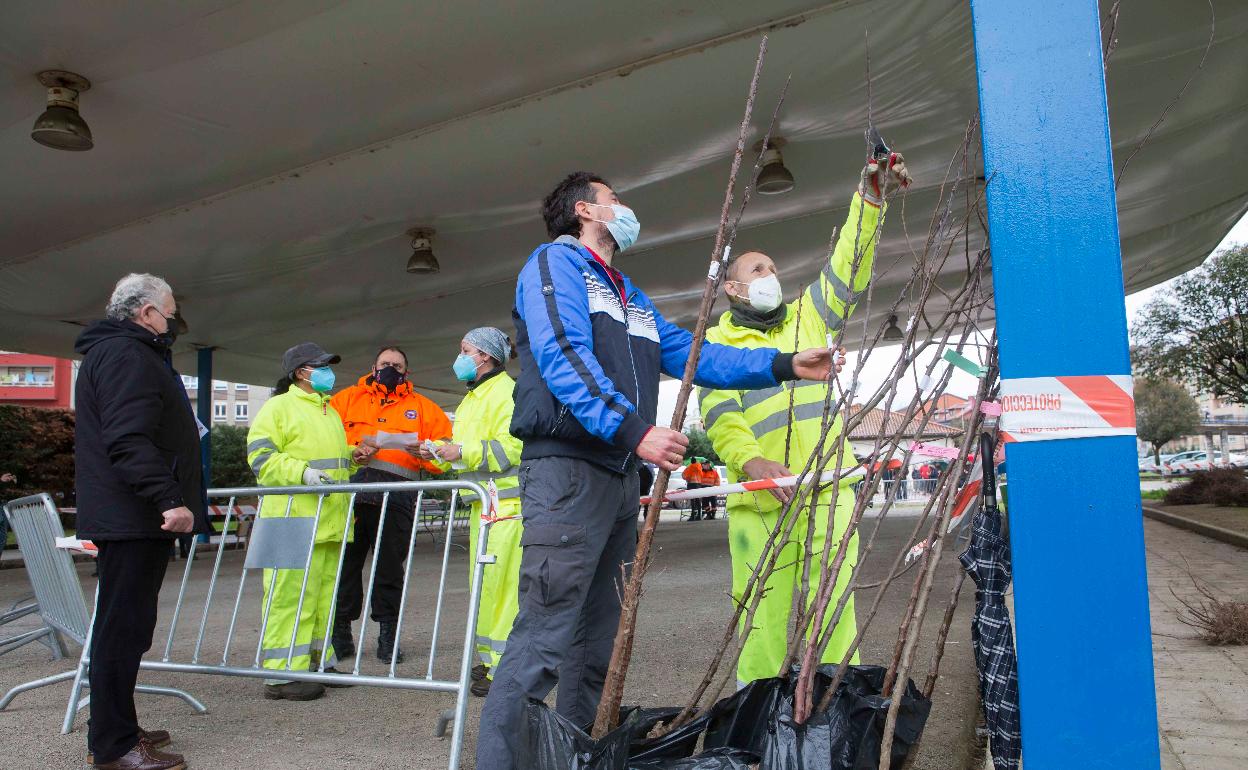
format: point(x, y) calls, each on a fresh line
point(765, 293)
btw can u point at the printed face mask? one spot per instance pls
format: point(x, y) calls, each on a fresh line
point(389, 377)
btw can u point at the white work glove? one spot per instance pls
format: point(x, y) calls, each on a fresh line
point(312, 477)
point(873, 185)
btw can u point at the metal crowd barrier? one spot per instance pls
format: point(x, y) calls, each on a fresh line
point(287, 543)
point(37, 523)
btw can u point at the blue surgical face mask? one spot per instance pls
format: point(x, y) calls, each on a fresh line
point(322, 379)
point(465, 368)
point(624, 228)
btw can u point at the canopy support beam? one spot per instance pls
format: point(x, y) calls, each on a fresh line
point(203, 405)
point(1084, 640)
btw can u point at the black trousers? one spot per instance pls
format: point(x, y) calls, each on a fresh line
point(131, 572)
point(392, 555)
point(696, 507)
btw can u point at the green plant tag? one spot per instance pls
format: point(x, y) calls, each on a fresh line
point(964, 363)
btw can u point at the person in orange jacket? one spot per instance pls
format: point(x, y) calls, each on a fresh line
point(693, 480)
point(710, 478)
point(383, 400)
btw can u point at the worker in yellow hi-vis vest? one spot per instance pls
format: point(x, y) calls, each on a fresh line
point(297, 439)
point(483, 449)
point(750, 429)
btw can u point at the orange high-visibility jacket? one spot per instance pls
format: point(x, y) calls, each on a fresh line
point(692, 473)
point(366, 408)
point(710, 476)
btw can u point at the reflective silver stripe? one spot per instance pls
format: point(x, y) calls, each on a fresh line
point(280, 653)
point(719, 410)
point(503, 494)
point(395, 468)
point(839, 288)
point(485, 456)
point(833, 320)
point(751, 398)
point(329, 464)
point(811, 411)
point(261, 443)
point(477, 476)
point(496, 646)
point(259, 462)
point(500, 454)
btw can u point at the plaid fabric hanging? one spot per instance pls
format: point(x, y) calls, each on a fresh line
point(987, 561)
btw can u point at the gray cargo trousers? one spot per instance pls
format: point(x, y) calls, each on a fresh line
point(580, 527)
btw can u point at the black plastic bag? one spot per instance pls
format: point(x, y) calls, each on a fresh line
point(746, 719)
point(846, 736)
point(754, 724)
point(550, 742)
point(677, 744)
point(715, 759)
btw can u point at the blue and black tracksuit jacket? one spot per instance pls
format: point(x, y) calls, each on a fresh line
point(590, 365)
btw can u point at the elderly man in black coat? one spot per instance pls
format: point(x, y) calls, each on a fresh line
point(139, 483)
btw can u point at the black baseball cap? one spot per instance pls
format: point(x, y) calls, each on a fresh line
point(307, 354)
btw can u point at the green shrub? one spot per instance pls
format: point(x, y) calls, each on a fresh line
point(37, 447)
point(1220, 486)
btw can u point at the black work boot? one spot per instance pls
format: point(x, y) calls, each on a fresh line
point(386, 642)
point(344, 644)
point(294, 691)
point(481, 687)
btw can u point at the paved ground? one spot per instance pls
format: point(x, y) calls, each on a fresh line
point(684, 610)
point(1202, 691)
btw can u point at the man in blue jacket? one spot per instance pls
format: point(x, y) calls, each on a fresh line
point(592, 347)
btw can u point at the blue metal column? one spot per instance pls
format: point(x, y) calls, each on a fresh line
point(1081, 597)
point(203, 405)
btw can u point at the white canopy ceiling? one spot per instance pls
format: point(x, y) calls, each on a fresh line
point(267, 158)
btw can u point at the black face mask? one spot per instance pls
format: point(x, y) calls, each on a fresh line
point(389, 377)
point(170, 335)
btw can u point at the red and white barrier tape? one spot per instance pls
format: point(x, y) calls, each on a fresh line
point(1048, 408)
point(758, 485)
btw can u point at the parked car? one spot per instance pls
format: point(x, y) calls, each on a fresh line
point(1199, 459)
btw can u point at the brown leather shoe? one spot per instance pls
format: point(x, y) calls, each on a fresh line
point(157, 739)
point(144, 757)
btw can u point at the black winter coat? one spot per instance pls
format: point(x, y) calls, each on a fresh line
point(136, 440)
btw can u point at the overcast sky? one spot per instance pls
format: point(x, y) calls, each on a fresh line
point(961, 384)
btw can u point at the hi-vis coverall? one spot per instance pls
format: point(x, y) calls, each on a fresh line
point(743, 425)
point(489, 451)
point(293, 432)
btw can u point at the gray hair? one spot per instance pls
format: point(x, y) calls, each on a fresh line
point(133, 292)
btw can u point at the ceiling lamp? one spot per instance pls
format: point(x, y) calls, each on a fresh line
point(774, 178)
point(60, 126)
point(422, 259)
point(892, 333)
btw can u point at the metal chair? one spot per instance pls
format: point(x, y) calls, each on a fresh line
point(37, 524)
point(27, 605)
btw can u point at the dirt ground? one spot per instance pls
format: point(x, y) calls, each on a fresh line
point(684, 612)
point(1234, 519)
